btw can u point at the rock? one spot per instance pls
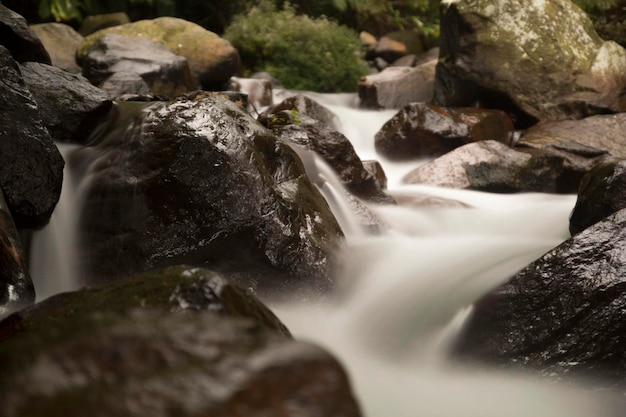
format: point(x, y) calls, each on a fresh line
point(94, 23)
point(538, 61)
point(389, 49)
point(563, 315)
point(19, 39)
point(490, 166)
point(301, 107)
point(397, 87)
point(61, 41)
point(422, 130)
point(16, 287)
point(69, 106)
point(31, 167)
point(581, 143)
point(602, 192)
point(170, 190)
point(377, 171)
point(212, 59)
point(180, 342)
point(259, 91)
point(163, 71)
point(125, 83)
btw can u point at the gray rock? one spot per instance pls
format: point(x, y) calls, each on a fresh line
point(564, 315)
point(31, 167)
point(490, 166)
point(421, 130)
point(69, 106)
point(163, 71)
point(125, 83)
point(538, 60)
point(61, 41)
point(19, 39)
point(396, 87)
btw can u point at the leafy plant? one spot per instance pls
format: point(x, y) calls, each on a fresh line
point(303, 53)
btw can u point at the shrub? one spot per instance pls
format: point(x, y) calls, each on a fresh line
point(302, 52)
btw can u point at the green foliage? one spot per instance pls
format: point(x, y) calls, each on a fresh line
point(303, 53)
point(594, 7)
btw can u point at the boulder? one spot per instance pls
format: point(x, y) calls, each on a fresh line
point(31, 167)
point(300, 107)
point(563, 315)
point(490, 166)
point(125, 83)
point(61, 41)
point(180, 342)
point(212, 59)
point(16, 287)
point(19, 39)
point(69, 106)
point(163, 71)
point(201, 182)
point(422, 130)
point(602, 192)
point(396, 87)
point(538, 61)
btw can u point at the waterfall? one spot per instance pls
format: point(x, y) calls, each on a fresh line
point(403, 294)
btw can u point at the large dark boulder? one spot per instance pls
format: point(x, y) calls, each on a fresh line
point(163, 71)
point(180, 342)
point(491, 166)
point(563, 315)
point(31, 167)
point(422, 130)
point(69, 106)
point(536, 60)
point(19, 39)
point(201, 182)
point(602, 192)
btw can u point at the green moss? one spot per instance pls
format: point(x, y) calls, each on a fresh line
point(303, 53)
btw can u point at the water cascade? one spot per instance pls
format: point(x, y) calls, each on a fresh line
point(405, 292)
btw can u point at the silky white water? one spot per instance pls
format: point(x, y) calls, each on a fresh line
point(403, 293)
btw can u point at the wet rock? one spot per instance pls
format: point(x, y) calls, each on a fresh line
point(19, 39)
point(125, 83)
point(377, 171)
point(16, 287)
point(134, 353)
point(563, 315)
point(163, 71)
point(396, 87)
point(538, 61)
point(31, 167)
point(69, 106)
point(602, 192)
point(298, 108)
point(61, 41)
point(490, 166)
point(422, 130)
point(94, 23)
point(212, 59)
point(201, 182)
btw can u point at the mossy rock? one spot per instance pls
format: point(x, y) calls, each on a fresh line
point(211, 58)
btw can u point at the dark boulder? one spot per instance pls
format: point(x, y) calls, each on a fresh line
point(491, 166)
point(563, 315)
point(163, 71)
point(16, 286)
point(31, 167)
point(602, 192)
point(202, 182)
point(537, 61)
point(299, 107)
point(69, 106)
point(179, 342)
point(422, 130)
point(19, 39)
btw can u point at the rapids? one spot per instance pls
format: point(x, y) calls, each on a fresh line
point(404, 293)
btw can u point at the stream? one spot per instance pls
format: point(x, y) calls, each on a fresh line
point(404, 293)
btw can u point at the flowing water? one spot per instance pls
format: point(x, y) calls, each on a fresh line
point(404, 293)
